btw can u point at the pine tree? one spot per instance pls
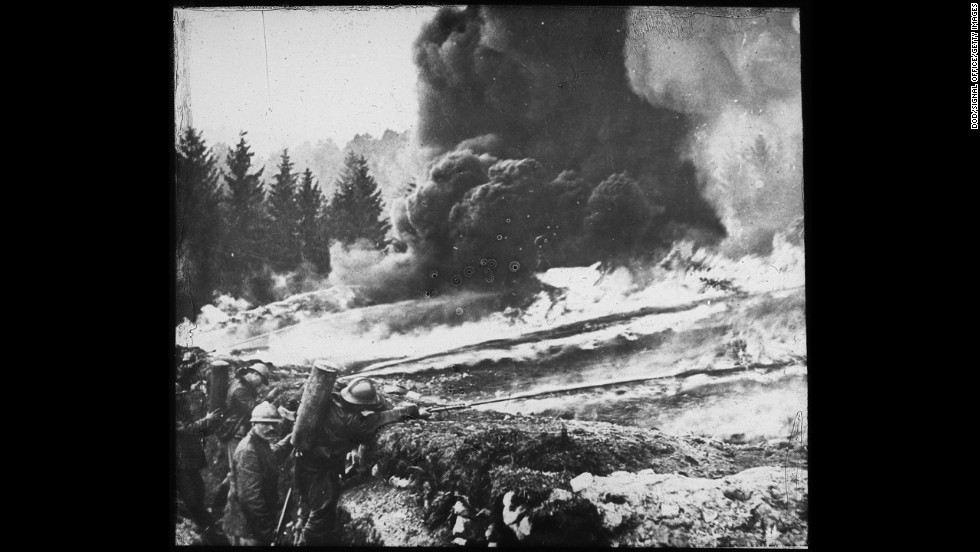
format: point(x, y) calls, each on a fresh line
point(283, 242)
point(198, 226)
point(355, 210)
point(314, 245)
point(246, 219)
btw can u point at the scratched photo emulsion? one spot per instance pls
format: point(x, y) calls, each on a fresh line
point(489, 276)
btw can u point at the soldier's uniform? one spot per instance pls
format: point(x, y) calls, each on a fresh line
point(253, 498)
point(343, 427)
point(241, 399)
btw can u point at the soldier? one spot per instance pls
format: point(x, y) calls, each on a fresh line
point(192, 427)
point(253, 499)
point(244, 393)
point(343, 426)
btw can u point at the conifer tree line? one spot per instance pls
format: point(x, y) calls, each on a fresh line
point(234, 230)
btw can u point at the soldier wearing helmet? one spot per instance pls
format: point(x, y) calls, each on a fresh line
point(250, 516)
point(245, 392)
point(348, 419)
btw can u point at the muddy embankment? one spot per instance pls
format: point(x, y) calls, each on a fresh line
point(489, 478)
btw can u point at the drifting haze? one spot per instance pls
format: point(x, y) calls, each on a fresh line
point(738, 73)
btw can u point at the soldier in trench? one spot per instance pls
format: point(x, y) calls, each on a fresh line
point(342, 425)
point(245, 393)
point(253, 498)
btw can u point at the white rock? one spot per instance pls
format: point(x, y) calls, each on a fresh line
point(399, 482)
point(648, 471)
point(523, 529)
point(511, 514)
point(470, 428)
point(459, 541)
point(612, 517)
point(491, 545)
point(462, 524)
point(669, 509)
point(581, 482)
point(460, 509)
point(560, 494)
point(413, 396)
point(709, 515)
point(374, 471)
point(619, 473)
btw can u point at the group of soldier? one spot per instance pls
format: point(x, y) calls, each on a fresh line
point(257, 438)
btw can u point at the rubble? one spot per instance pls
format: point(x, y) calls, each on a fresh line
point(673, 510)
point(462, 525)
point(460, 509)
point(591, 484)
point(399, 482)
point(376, 514)
point(511, 513)
point(581, 482)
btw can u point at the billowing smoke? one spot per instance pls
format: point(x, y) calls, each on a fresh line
point(567, 136)
point(373, 274)
point(538, 142)
point(737, 72)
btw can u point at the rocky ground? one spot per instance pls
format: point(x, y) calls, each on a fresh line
point(492, 479)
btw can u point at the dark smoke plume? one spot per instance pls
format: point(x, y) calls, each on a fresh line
point(544, 154)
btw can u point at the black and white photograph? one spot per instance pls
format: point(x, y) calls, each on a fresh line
point(489, 276)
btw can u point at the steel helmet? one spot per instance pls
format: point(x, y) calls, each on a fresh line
point(262, 370)
point(265, 412)
point(361, 392)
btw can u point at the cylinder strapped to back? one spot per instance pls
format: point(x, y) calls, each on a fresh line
point(218, 385)
point(316, 393)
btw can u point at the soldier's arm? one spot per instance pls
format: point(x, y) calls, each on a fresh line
point(362, 428)
point(204, 426)
point(257, 512)
point(282, 449)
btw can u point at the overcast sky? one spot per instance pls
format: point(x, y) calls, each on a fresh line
point(331, 73)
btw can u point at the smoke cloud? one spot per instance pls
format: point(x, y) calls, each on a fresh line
point(535, 133)
point(737, 71)
point(566, 136)
point(382, 277)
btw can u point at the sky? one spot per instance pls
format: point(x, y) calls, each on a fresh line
point(331, 73)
